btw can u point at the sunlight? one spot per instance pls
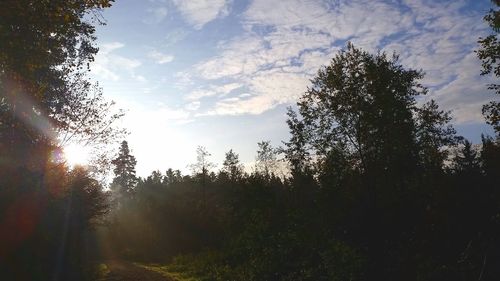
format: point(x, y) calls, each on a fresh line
point(76, 154)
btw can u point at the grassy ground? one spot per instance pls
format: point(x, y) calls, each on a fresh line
point(168, 271)
point(99, 272)
point(119, 270)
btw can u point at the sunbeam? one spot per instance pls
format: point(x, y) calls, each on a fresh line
point(76, 154)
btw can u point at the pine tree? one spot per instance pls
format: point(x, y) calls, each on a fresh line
point(467, 160)
point(125, 178)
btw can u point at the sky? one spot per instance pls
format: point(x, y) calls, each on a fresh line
point(221, 73)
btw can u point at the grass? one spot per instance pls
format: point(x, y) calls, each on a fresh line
point(101, 271)
point(166, 271)
point(205, 266)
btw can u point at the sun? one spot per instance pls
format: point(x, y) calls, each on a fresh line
point(76, 154)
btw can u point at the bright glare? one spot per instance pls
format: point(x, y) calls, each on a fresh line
point(76, 154)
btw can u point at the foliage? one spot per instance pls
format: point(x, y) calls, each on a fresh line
point(266, 161)
point(232, 166)
point(45, 49)
point(489, 54)
point(203, 164)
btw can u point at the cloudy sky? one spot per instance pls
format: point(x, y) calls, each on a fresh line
point(221, 73)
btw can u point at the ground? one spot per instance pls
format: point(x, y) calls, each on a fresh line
point(116, 270)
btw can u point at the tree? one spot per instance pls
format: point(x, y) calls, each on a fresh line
point(232, 166)
point(172, 176)
point(466, 160)
point(489, 54)
point(362, 108)
point(203, 164)
point(490, 158)
point(124, 170)
point(361, 105)
point(45, 49)
point(433, 135)
point(201, 169)
point(371, 146)
point(266, 161)
point(297, 150)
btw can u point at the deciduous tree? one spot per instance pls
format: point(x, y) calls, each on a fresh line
point(489, 54)
point(266, 161)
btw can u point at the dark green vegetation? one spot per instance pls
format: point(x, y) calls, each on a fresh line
point(379, 187)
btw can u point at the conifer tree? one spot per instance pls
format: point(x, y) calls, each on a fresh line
point(124, 170)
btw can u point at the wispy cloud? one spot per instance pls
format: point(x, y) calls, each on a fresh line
point(174, 36)
point(200, 93)
point(193, 106)
point(160, 57)
point(183, 80)
point(285, 42)
point(156, 15)
point(227, 88)
point(199, 12)
point(213, 90)
point(271, 88)
point(110, 66)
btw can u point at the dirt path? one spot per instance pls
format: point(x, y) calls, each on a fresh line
point(126, 271)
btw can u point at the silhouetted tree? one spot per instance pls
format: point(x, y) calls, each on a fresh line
point(232, 166)
point(201, 169)
point(466, 159)
point(203, 164)
point(172, 176)
point(434, 134)
point(489, 54)
point(372, 144)
point(124, 170)
point(297, 150)
point(266, 161)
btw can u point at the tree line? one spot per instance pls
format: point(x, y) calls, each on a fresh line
point(380, 188)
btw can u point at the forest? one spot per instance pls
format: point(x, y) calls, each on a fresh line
point(377, 184)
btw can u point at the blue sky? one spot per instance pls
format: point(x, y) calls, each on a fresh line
point(220, 73)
